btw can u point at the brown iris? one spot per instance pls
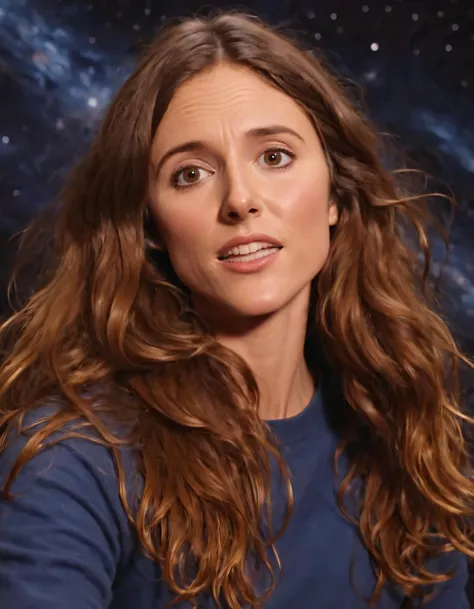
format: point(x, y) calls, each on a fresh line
point(272, 157)
point(190, 174)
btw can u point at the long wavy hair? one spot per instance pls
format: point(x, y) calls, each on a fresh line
point(107, 318)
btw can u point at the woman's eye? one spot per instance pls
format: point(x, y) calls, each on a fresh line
point(276, 158)
point(192, 174)
point(187, 176)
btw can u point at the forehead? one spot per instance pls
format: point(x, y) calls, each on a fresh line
point(228, 96)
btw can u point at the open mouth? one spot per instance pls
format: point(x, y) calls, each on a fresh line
point(249, 252)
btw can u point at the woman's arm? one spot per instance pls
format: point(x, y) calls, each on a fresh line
point(62, 535)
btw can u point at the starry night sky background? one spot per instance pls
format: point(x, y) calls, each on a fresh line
point(61, 61)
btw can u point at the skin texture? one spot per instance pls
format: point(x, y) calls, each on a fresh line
point(239, 184)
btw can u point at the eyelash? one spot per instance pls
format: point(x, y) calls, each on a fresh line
point(175, 175)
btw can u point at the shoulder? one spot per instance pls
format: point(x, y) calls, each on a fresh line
point(77, 444)
point(70, 467)
point(63, 519)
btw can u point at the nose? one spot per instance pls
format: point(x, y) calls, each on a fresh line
point(240, 199)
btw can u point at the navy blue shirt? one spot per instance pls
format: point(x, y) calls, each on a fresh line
point(65, 541)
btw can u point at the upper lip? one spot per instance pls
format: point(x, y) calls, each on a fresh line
point(236, 241)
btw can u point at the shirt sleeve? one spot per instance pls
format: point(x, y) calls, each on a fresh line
point(63, 534)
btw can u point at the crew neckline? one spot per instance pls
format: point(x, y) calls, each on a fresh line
point(301, 425)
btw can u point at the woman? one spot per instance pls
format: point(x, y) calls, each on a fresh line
point(228, 310)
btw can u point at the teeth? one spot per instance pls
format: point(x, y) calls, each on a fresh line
point(253, 256)
point(248, 248)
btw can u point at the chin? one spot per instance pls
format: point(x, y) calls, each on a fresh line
point(254, 306)
point(255, 303)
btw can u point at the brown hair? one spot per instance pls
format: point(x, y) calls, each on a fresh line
point(108, 313)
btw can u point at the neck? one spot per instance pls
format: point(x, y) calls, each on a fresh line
point(273, 347)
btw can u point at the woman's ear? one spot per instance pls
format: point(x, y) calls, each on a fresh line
point(333, 213)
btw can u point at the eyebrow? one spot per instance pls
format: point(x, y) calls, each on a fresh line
point(196, 145)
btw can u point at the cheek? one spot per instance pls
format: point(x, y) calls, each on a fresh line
point(182, 229)
point(307, 220)
point(185, 234)
point(306, 208)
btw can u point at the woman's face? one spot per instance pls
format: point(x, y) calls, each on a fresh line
point(235, 158)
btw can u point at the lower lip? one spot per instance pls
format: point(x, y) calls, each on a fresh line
point(251, 266)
